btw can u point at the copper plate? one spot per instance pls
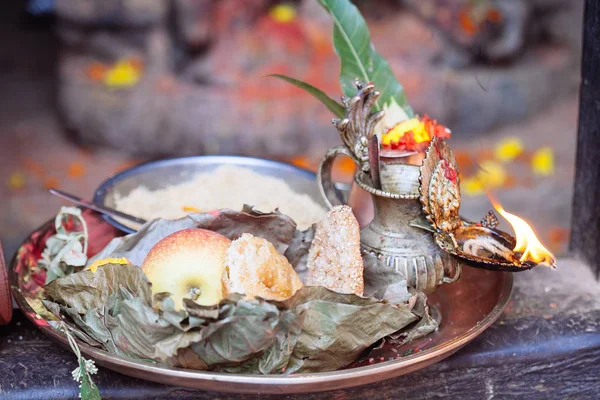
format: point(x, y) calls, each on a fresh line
point(467, 308)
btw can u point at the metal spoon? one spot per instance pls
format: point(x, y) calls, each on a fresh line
point(96, 207)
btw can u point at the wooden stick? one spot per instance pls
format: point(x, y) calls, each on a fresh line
point(374, 161)
point(585, 233)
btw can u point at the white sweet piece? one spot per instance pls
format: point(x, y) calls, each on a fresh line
point(334, 258)
point(256, 269)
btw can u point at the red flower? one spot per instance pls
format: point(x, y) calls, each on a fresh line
point(39, 278)
point(407, 141)
point(449, 172)
point(435, 129)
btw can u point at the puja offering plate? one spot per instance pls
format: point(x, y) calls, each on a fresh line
point(254, 276)
point(466, 308)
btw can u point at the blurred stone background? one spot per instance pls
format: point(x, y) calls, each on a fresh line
point(91, 87)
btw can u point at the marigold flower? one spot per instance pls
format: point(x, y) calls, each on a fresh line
point(16, 181)
point(123, 74)
point(492, 174)
point(467, 23)
point(542, 161)
point(283, 13)
point(96, 71)
point(76, 170)
point(414, 134)
point(472, 186)
point(51, 182)
point(508, 149)
point(436, 129)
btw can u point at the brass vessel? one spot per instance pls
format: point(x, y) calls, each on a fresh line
point(392, 235)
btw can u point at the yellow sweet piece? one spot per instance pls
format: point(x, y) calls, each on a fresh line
point(508, 149)
point(99, 263)
point(542, 162)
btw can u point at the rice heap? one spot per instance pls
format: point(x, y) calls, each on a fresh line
point(225, 187)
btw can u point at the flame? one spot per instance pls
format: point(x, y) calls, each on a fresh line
point(527, 242)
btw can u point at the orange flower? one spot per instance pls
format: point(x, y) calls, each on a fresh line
point(494, 15)
point(96, 71)
point(51, 182)
point(435, 129)
point(76, 170)
point(464, 160)
point(136, 63)
point(467, 22)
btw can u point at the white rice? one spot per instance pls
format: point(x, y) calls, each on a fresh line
point(225, 187)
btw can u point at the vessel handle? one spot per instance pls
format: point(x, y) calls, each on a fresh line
point(452, 274)
point(331, 195)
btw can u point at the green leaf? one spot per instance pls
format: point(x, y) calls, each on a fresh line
point(66, 250)
point(89, 390)
point(250, 335)
point(82, 374)
point(337, 328)
point(359, 59)
point(87, 290)
point(336, 108)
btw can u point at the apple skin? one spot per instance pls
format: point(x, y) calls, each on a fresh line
point(188, 264)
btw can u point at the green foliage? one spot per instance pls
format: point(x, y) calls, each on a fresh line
point(336, 108)
point(82, 374)
point(66, 250)
point(358, 57)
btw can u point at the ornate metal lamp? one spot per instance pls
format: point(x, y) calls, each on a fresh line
point(416, 227)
